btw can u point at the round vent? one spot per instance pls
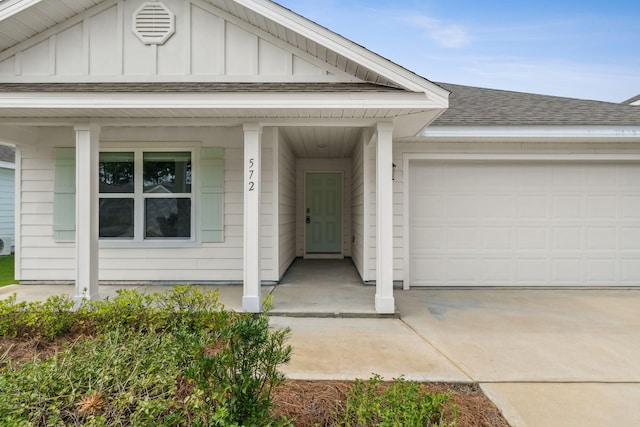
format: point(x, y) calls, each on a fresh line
point(153, 23)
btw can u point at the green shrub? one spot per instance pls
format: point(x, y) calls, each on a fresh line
point(168, 359)
point(47, 319)
point(239, 375)
point(402, 404)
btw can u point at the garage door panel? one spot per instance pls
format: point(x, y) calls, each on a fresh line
point(602, 271)
point(497, 238)
point(551, 224)
point(631, 271)
point(531, 271)
point(602, 238)
point(602, 206)
point(566, 206)
point(631, 207)
point(631, 238)
point(531, 206)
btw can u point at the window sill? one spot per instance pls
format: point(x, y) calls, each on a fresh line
point(148, 244)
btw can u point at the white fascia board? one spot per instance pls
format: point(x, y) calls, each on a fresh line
point(347, 48)
point(404, 100)
point(9, 8)
point(460, 132)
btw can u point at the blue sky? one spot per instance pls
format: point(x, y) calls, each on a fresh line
point(582, 49)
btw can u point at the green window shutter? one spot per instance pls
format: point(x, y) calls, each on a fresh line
point(64, 195)
point(212, 194)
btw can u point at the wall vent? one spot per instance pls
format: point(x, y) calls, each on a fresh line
point(153, 23)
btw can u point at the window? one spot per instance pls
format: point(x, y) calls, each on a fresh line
point(146, 195)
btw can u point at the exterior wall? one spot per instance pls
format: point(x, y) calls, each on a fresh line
point(100, 45)
point(45, 259)
point(7, 197)
point(323, 165)
point(357, 207)
point(287, 205)
point(550, 147)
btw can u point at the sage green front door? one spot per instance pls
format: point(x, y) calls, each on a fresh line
point(323, 212)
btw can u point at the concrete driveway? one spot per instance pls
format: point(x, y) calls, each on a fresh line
point(545, 357)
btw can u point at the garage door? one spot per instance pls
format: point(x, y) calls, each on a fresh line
point(524, 224)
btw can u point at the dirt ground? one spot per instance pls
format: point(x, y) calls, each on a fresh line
point(309, 403)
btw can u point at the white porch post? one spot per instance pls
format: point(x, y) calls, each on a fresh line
point(385, 303)
point(87, 154)
point(252, 146)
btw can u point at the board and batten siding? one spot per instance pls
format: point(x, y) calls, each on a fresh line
point(7, 202)
point(287, 204)
point(99, 44)
point(44, 259)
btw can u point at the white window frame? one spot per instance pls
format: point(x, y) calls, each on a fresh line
point(139, 197)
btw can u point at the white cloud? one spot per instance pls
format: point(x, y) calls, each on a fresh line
point(446, 35)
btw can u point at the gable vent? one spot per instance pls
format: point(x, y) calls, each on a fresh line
point(153, 23)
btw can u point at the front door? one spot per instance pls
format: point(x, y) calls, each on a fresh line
point(323, 212)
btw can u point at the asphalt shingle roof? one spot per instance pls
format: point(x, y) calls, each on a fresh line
point(473, 106)
point(632, 100)
point(194, 87)
point(7, 154)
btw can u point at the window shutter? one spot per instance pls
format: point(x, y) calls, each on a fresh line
point(64, 195)
point(212, 194)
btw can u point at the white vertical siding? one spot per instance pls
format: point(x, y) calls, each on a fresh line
point(287, 202)
point(44, 259)
point(207, 42)
point(323, 165)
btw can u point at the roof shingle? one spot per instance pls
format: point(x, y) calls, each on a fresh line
point(473, 106)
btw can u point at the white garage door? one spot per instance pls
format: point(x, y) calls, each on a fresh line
point(524, 224)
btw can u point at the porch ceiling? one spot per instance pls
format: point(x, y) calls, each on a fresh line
point(328, 142)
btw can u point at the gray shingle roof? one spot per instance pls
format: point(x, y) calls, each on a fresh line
point(195, 87)
point(473, 106)
point(7, 154)
point(631, 100)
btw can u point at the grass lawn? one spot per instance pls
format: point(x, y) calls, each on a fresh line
point(6, 270)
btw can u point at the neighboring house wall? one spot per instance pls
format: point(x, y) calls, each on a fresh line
point(287, 205)
point(45, 259)
point(7, 197)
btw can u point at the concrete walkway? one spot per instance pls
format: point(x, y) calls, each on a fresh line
point(545, 357)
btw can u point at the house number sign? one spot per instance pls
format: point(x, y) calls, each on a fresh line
point(251, 171)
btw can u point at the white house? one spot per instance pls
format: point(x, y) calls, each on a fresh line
point(7, 196)
point(218, 140)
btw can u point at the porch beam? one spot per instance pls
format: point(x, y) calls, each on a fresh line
point(87, 154)
point(385, 303)
point(251, 299)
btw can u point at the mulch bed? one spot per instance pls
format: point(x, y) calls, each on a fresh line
point(309, 403)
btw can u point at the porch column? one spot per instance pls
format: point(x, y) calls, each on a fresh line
point(385, 303)
point(251, 301)
point(87, 154)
